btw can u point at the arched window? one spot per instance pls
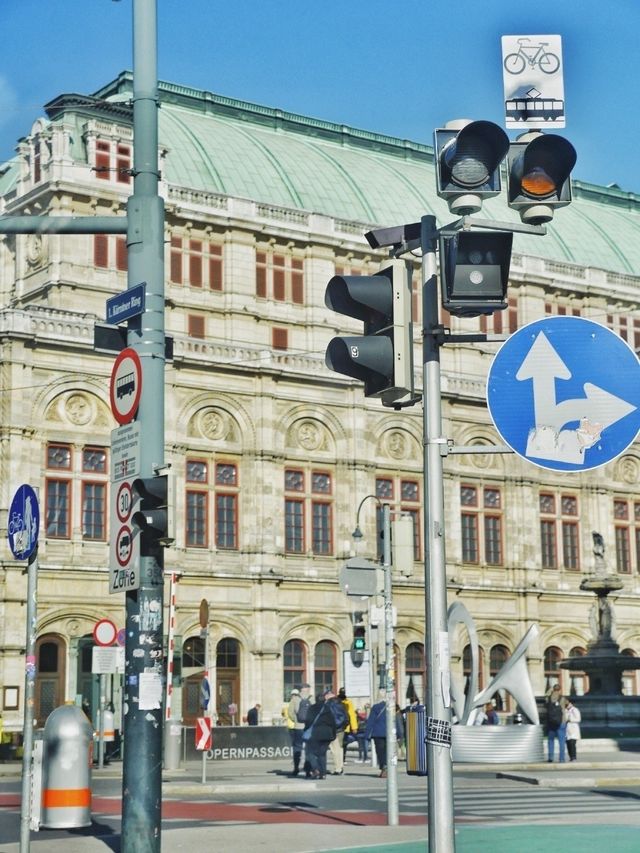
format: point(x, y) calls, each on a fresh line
point(50, 676)
point(294, 664)
point(325, 675)
point(414, 665)
point(498, 656)
point(552, 671)
point(193, 652)
point(630, 677)
point(578, 680)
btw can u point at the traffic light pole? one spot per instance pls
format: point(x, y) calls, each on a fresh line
point(143, 717)
point(440, 770)
point(389, 675)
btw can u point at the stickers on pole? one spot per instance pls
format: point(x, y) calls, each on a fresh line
point(564, 394)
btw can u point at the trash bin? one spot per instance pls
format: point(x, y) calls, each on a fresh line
point(66, 777)
point(415, 735)
point(172, 744)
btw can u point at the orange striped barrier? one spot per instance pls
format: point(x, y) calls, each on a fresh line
point(61, 798)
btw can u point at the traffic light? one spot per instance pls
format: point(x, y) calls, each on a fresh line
point(468, 157)
point(359, 644)
point(539, 169)
point(155, 517)
point(474, 271)
point(382, 358)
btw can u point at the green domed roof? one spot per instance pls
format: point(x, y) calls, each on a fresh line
point(217, 144)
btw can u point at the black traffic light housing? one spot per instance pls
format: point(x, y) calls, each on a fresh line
point(155, 515)
point(382, 358)
point(474, 271)
point(468, 157)
point(359, 643)
point(539, 173)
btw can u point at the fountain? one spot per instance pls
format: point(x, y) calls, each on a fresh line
point(606, 712)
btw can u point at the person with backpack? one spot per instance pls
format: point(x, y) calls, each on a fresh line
point(556, 723)
point(297, 711)
point(341, 717)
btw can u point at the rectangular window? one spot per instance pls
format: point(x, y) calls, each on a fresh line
point(294, 526)
point(94, 499)
point(176, 260)
point(215, 267)
point(559, 512)
point(279, 277)
point(485, 520)
point(103, 160)
point(101, 251)
point(123, 164)
point(403, 496)
point(226, 505)
point(195, 325)
point(469, 525)
point(321, 517)
point(196, 519)
point(58, 508)
point(195, 263)
point(279, 338)
point(623, 555)
point(548, 544)
point(121, 254)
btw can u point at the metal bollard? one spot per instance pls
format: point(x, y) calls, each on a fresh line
point(66, 788)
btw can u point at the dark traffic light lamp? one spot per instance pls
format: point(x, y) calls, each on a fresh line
point(382, 357)
point(468, 157)
point(155, 516)
point(474, 271)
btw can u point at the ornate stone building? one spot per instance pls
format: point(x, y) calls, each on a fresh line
point(272, 452)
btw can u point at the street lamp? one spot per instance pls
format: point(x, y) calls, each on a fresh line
point(390, 693)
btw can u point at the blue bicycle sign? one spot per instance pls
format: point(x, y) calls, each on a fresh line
point(24, 523)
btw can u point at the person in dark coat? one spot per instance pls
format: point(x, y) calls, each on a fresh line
point(321, 726)
point(376, 729)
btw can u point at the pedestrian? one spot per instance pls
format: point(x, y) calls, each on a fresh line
point(401, 728)
point(253, 715)
point(573, 718)
point(376, 729)
point(363, 740)
point(297, 711)
point(350, 734)
point(491, 717)
point(555, 723)
point(320, 730)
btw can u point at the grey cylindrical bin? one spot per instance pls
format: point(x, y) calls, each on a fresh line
point(66, 782)
point(172, 743)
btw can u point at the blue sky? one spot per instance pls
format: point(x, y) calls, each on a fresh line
point(401, 68)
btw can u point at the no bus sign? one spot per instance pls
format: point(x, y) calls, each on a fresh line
point(126, 385)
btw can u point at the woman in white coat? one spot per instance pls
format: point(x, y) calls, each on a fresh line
point(573, 718)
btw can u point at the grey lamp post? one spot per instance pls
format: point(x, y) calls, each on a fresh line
point(389, 683)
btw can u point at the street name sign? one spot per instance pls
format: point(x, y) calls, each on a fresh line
point(23, 523)
point(564, 393)
point(127, 304)
point(532, 74)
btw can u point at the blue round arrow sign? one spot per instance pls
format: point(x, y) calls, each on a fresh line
point(564, 393)
point(23, 523)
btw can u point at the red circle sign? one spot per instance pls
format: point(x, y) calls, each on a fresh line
point(124, 501)
point(126, 385)
point(124, 546)
point(104, 632)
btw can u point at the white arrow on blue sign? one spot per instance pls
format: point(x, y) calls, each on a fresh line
point(23, 523)
point(564, 393)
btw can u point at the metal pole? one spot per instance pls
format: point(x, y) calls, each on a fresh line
point(206, 711)
point(29, 694)
point(440, 771)
point(390, 690)
point(101, 722)
point(143, 718)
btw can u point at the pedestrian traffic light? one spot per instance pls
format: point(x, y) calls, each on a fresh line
point(359, 644)
point(474, 271)
point(468, 157)
point(382, 358)
point(539, 170)
point(155, 517)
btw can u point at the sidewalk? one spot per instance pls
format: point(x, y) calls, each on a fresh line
point(304, 833)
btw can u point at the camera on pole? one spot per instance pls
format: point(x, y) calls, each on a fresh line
point(382, 358)
point(468, 157)
point(539, 171)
